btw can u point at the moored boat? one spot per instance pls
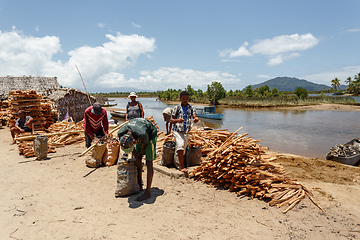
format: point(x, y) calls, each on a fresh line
point(118, 114)
point(348, 153)
point(208, 112)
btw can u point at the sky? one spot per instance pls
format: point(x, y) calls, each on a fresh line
point(157, 45)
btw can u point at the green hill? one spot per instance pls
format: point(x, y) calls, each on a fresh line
point(290, 84)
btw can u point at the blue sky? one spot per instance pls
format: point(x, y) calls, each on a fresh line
point(156, 45)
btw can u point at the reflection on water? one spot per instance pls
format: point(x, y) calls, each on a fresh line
point(306, 132)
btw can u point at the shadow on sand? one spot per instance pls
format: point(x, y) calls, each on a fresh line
point(155, 192)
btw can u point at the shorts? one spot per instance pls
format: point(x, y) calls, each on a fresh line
point(166, 117)
point(181, 140)
point(26, 129)
point(88, 140)
point(150, 149)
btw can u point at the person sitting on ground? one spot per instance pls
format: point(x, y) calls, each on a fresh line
point(23, 124)
point(167, 115)
point(96, 123)
point(181, 118)
point(139, 136)
point(134, 109)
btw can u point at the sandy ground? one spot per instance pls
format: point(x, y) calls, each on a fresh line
point(61, 198)
point(324, 106)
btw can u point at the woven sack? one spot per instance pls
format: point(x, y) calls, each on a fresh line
point(95, 159)
point(111, 153)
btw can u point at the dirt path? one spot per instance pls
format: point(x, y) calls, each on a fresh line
point(60, 198)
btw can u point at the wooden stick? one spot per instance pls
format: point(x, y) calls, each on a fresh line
point(32, 137)
point(84, 85)
point(93, 145)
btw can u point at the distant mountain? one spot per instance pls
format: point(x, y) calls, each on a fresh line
point(290, 84)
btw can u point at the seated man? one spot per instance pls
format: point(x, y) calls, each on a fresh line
point(96, 123)
point(23, 124)
point(138, 136)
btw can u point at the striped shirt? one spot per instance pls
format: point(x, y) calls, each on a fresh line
point(93, 123)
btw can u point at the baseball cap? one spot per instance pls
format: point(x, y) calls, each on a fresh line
point(126, 143)
point(97, 108)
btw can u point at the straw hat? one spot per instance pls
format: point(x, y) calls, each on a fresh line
point(133, 94)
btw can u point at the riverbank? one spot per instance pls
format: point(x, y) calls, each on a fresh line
point(320, 107)
point(61, 198)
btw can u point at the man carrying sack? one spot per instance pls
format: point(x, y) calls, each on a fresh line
point(138, 136)
point(96, 123)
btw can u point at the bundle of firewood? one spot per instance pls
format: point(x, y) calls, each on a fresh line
point(33, 105)
point(239, 165)
point(26, 148)
point(74, 133)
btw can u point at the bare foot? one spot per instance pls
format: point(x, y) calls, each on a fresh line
point(143, 197)
point(184, 170)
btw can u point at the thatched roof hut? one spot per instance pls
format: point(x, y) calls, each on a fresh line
point(71, 101)
point(42, 85)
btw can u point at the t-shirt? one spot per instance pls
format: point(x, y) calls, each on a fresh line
point(142, 130)
point(21, 123)
point(168, 111)
point(94, 123)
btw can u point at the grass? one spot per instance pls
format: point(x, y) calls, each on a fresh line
point(284, 102)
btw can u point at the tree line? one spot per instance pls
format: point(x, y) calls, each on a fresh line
point(353, 85)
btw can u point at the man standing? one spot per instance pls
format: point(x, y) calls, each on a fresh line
point(96, 123)
point(167, 115)
point(138, 136)
point(181, 117)
point(23, 124)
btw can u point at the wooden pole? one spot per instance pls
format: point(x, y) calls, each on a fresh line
point(84, 85)
point(32, 137)
point(93, 145)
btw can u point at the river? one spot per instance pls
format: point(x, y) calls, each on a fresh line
point(303, 132)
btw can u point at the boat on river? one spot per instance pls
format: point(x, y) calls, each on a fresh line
point(108, 104)
point(208, 112)
point(118, 114)
point(348, 153)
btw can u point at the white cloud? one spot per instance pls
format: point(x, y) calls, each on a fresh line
point(277, 49)
point(354, 30)
point(99, 66)
point(25, 55)
point(136, 25)
point(177, 78)
point(37, 28)
point(101, 25)
point(340, 73)
point(263, 76)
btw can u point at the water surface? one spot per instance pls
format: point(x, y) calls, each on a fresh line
point(303, 132)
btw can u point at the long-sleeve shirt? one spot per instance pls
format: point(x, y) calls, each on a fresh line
point(93, 123)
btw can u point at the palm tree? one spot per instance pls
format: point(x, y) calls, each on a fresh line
point(335, 83)
point(348, 80)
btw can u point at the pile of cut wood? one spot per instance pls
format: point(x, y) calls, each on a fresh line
point(59, 134)
point(239, 165)
point(65, 133)
point(26, 148)
point(33, 105)
point(3, 112)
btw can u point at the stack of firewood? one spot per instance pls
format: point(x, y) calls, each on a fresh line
point(240, 166)
point(75, 133)
point(59, 134)
point(26, 148)
point(3, 112)
point(31, 103)
point(48, 112)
